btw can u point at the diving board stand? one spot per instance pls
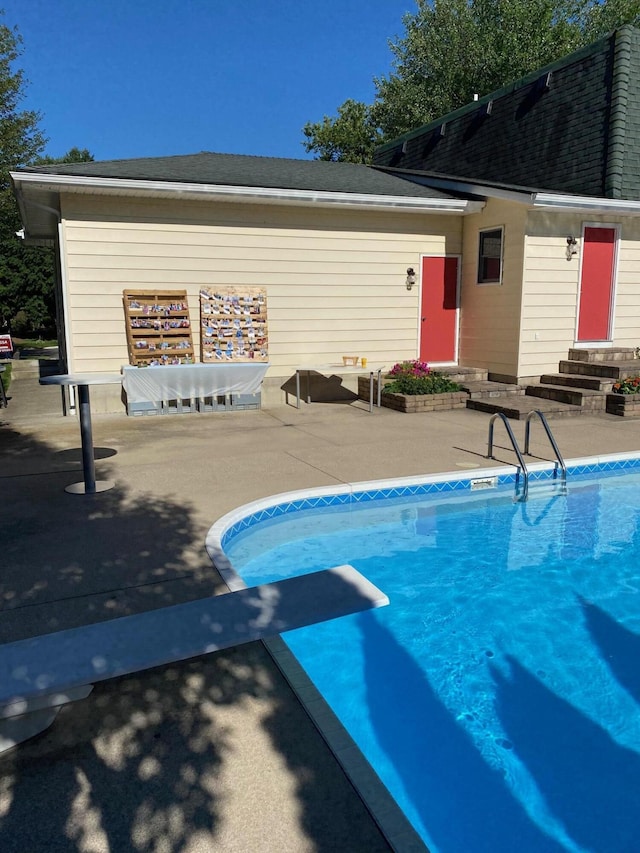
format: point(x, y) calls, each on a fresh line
point(41, 674)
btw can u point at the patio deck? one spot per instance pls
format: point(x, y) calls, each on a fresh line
point(216, 753)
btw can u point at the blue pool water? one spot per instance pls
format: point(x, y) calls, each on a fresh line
point(498, 695)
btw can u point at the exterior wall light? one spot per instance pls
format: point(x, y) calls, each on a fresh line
point(571, 247)
point(411, 278)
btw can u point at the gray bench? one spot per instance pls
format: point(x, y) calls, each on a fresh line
point(39, 675)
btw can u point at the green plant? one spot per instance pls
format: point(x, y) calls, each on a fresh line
point(434, 383)
point(630, 385)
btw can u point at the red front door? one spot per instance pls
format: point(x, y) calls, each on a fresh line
point(596, 284)
point(439, 310)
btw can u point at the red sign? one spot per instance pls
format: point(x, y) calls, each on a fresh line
point(5, 344)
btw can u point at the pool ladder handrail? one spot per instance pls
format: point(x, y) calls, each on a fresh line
point(518, 452)
point(516, 449)
point(552, 441)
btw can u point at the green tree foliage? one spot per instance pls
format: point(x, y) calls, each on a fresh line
point(351, 136)
point(26, 272)
point(454, 49)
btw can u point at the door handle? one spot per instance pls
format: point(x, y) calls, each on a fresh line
point(423, 319)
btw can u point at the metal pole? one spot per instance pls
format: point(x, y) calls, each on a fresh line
point(88, 463)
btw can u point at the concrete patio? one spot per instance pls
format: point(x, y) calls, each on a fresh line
point(217, 753)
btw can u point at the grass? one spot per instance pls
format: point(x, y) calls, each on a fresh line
point(6, 375)
point(32, 343)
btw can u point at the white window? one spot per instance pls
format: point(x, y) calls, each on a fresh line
point(490, 256)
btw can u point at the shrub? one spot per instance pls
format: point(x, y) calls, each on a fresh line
point(631, 385)
point(433, 383)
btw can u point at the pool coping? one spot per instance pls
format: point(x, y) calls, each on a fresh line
point(387, 814)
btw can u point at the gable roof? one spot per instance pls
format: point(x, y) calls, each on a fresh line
point(570, 127)
point(230, 178)
point(239, 170)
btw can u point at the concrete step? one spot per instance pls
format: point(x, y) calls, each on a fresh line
point(588, 399)
point(602, 354)
point(484, 389)
point(517, 408)
point(611, 370)
point(577, 380)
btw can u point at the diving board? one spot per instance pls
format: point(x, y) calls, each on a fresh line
point(40, 674)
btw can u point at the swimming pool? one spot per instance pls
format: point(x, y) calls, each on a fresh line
point(497, 696)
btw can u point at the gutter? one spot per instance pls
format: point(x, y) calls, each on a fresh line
point(254, 195)
point(585, 204)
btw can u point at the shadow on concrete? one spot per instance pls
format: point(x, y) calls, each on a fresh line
point(319, 388)
point(144, 762)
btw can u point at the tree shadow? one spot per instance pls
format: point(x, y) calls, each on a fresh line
point(620, 647)
point(143, 763)
point(590, 783)
point(463, 802)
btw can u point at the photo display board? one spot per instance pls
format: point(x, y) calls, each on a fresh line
point(158, 327)
point(233, 324)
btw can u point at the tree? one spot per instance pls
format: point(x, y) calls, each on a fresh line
point(454, 49)
point(26, 272)
point(351, 136)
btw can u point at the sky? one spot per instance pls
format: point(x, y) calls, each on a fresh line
point(146, 78)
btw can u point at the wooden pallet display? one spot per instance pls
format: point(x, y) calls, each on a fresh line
point(158, 327)
point(233, 324)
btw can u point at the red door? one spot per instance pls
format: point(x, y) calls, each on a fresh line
point(439, 310)
point(596, 284)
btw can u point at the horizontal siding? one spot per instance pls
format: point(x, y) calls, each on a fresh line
point(551, 288)
point(490, 316)
point(335, 280)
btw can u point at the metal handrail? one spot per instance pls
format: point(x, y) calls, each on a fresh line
point(516, 448)
point(552, 441)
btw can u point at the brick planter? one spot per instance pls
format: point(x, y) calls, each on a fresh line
point(411, 403)
point(624, 405)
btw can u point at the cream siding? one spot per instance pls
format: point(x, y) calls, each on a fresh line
point(335, 280)
point(551, 288)
point(490, 316)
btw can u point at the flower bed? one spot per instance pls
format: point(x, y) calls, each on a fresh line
point(625, 399)
point(411, 386)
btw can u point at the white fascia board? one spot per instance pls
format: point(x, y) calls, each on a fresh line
point(585, 204)
point(255, 195)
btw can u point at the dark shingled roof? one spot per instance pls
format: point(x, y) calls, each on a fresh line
point(571, 127)
point(244, 171)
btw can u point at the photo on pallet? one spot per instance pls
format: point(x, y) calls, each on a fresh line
point(158, 327)
point(233, 324)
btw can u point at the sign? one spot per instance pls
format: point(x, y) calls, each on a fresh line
point(6, 347)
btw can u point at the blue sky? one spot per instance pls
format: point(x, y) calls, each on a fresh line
point(141, 78)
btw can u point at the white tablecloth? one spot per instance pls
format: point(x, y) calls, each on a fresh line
point(191, 381)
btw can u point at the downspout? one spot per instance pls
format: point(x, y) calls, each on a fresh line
point(618, 113)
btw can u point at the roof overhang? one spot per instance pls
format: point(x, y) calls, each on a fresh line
point(38, 197)
point(542, 200)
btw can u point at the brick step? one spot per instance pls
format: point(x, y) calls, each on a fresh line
point(602, 354)
point(463, 374)
point(491, 390)
point(577, 380)
point(517, 408)
point(586, 398)
point(611, 370)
